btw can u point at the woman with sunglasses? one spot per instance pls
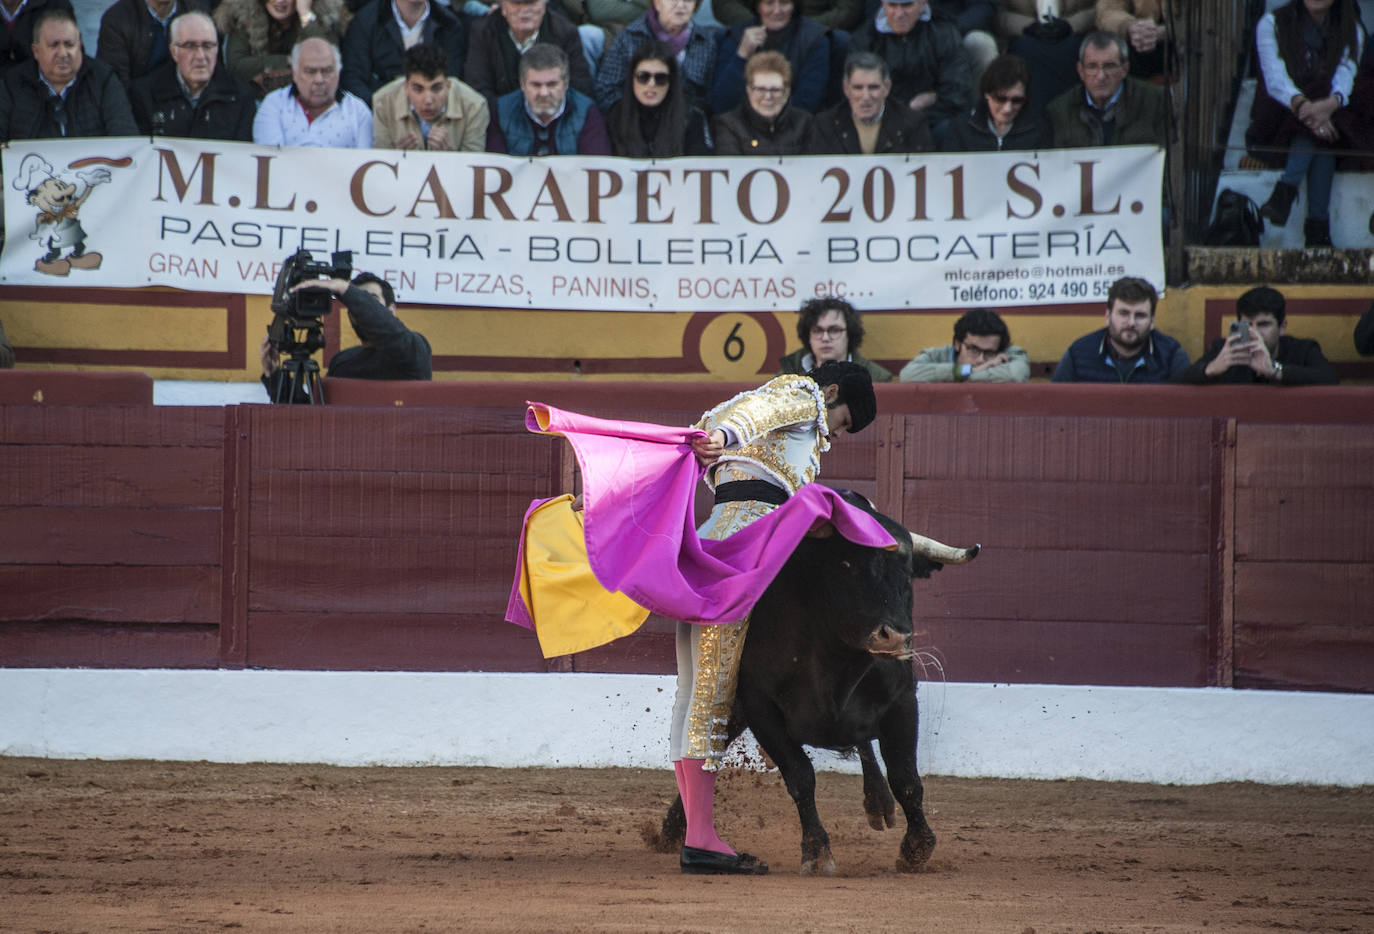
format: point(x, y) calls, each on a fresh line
point(1001, 120)
point(670, 22)
point(652, 119)
point(766, 124)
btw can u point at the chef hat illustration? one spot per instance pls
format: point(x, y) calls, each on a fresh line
point(33, 170)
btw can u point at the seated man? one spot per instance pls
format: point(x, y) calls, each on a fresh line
point(60, 92)
point(426, 109)
point(389, 349)
point(831, 330)
point(1108, 108)
point(925, 58)
point(546, 117)
point(1128, 349)
point(193, 96)
point(982, 352)
point(16, 39)
point(134, 34)
point(381, 32)
point(1260, 352)
point(498, 39)
point(312, 110)
point(862, 122)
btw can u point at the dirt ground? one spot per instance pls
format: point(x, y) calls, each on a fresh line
point(89, 846)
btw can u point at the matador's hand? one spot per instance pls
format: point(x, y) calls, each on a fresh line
point(709, 449)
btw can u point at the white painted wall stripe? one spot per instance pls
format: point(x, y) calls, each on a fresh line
point(1164, 735)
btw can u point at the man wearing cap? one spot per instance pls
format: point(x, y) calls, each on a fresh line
point(761, 447)
point(1258, 351)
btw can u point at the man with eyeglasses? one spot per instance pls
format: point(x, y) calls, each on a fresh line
point(190, 96)
point(61, 93)
point(546, 117)
point(134, 34)
point(831, 331)
point(1108, 108)
point(982, 352)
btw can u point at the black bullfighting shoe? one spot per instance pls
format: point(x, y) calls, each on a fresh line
point(700, 862)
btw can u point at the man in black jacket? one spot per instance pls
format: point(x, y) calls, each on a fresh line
point(16, 39)
point(134, 34)
point(866, 121)
point(498, 39)
point(191, 96)
point(373, 47)
point(389, 349)
point(925, 55)
point(1259, 351)
point(60, 93)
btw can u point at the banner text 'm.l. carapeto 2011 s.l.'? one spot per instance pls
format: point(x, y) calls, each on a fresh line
point(938, 230)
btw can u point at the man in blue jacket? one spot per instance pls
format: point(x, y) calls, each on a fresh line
point(1128, 349)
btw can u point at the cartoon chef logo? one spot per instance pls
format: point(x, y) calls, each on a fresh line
point(58, 201)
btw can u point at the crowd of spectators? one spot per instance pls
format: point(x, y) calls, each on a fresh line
point(766, 77)
point(774, 77)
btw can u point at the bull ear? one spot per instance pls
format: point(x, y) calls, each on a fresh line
point(824, 530)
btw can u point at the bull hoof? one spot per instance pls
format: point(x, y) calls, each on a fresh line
point(820, 864)
point(880, 820)
point(916, 850)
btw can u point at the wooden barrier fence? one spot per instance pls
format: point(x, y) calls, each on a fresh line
point(1146, 536)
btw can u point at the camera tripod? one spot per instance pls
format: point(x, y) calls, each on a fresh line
point(300, 374)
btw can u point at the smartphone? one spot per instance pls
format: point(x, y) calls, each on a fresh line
point(1242, 328)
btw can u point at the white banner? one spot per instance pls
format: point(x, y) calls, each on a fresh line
point(695, 234)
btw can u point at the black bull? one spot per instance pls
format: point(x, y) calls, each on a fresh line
point(828, 663)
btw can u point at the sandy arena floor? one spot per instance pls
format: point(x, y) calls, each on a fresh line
point(150, 846)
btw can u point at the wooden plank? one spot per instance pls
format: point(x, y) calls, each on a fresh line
point(1161, 589)
point(390, 641)
point(35, 593)
point(416, 575)
point(75, 475)
point(1305, 456)
point(1304, 524)
point(70, 644)
point(1301, 655)
point(1052, 651)
point(118, 425)
point(1332, 594)
point(386, 504)
point(235, 516)
point(108, 535)
point(1221, 582)
point(890, 435)
point(1155, 451)
point(1054, 514)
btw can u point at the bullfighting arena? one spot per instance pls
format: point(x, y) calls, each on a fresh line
point(97, 846)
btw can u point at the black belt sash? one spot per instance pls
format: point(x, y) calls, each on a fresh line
point(739, 491)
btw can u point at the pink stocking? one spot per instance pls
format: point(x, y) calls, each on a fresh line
point(698, 788)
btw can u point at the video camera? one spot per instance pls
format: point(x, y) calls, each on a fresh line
point(297, 328)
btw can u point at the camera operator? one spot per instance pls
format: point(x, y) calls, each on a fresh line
point(389, 349)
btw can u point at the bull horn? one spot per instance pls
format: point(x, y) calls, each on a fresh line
point(945, 554)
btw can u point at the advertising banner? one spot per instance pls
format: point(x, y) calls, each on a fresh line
point(946, 230)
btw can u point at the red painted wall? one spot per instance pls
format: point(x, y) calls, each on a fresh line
point(1132, 535)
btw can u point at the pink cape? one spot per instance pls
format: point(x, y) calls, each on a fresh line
point(639, 483)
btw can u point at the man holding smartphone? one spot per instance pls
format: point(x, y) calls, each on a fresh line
point(1258, 351)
